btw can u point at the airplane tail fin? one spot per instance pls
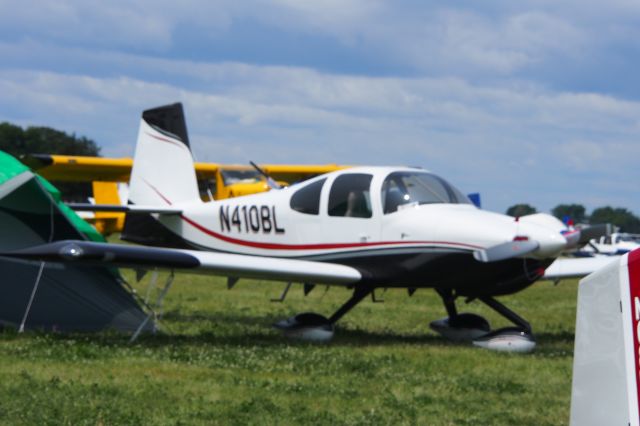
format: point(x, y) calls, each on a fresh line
point(163, 172)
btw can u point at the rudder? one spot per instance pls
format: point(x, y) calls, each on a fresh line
point(163, 172)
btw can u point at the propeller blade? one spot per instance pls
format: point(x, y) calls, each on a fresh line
point(505, 251)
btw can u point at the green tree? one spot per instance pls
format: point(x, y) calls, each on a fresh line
point(521, 210)
point(17, 141)
point(619, 217)
point(577, 212)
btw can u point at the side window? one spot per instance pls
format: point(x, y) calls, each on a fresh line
point(307, 199)
point(350, 196)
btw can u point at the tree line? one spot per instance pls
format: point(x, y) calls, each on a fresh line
point(617, 216)
point(17, 141)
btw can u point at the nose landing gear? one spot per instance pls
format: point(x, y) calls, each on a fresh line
point(474, 328)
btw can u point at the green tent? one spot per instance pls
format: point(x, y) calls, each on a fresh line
point(11, 167)
point(50, 296)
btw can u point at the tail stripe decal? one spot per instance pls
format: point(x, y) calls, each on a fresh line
point(178, 144)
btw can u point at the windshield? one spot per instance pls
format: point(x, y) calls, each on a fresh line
point(413, 188)
point(240, 176)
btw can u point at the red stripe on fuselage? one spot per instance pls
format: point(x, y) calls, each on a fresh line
point(324, 246)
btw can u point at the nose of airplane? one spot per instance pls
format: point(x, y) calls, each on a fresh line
point(551, 243)
point(499, 235)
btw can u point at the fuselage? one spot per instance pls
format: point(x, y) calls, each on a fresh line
point(401, 226)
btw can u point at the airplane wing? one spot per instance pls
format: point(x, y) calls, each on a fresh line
point(295, 173)
point(280, 172)
point(74, 168)
point(190, 261)
point(576, 267)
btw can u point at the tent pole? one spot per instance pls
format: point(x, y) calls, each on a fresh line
point(158, 305)
point(33, 295)
point(152, 284)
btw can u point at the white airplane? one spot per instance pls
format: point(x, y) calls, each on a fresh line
point(610, 245)
point(363, 228)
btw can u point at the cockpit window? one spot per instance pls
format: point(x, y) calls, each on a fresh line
point(307, 199)
point(230, 177)
point(414, 188)
point(350, 196)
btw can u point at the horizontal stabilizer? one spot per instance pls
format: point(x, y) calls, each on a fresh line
point(190, 261)
point(576, 267)
point(118, 208)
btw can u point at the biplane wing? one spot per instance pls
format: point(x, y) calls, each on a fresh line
point(75, 168)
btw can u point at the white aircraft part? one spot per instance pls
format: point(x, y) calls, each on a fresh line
point(545, 220)
point(190, 261)
point(508, 342)
point(123, 192)
point(458, 334)
point(163, 171)
point(605, 364)
point(86, 215)
point(576, 267)
point(274, 269)
point(310, 334)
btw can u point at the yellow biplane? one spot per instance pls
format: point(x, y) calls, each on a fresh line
point(109, 176)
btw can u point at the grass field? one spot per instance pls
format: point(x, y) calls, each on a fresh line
point(220, 362)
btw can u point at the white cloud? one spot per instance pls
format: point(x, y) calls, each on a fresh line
point(429, 37)
point(461, 101)
point(516, 137)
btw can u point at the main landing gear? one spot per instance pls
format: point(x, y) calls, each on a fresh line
point(318, 328)
point(474, 328)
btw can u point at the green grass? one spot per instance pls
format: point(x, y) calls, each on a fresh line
point(220, 362)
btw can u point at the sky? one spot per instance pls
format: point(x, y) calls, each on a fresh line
point(525, 102)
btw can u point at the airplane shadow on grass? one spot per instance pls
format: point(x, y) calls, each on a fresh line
point(256, 330)
point(245, 330)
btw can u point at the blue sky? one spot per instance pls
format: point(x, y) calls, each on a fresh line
point(528, 101)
